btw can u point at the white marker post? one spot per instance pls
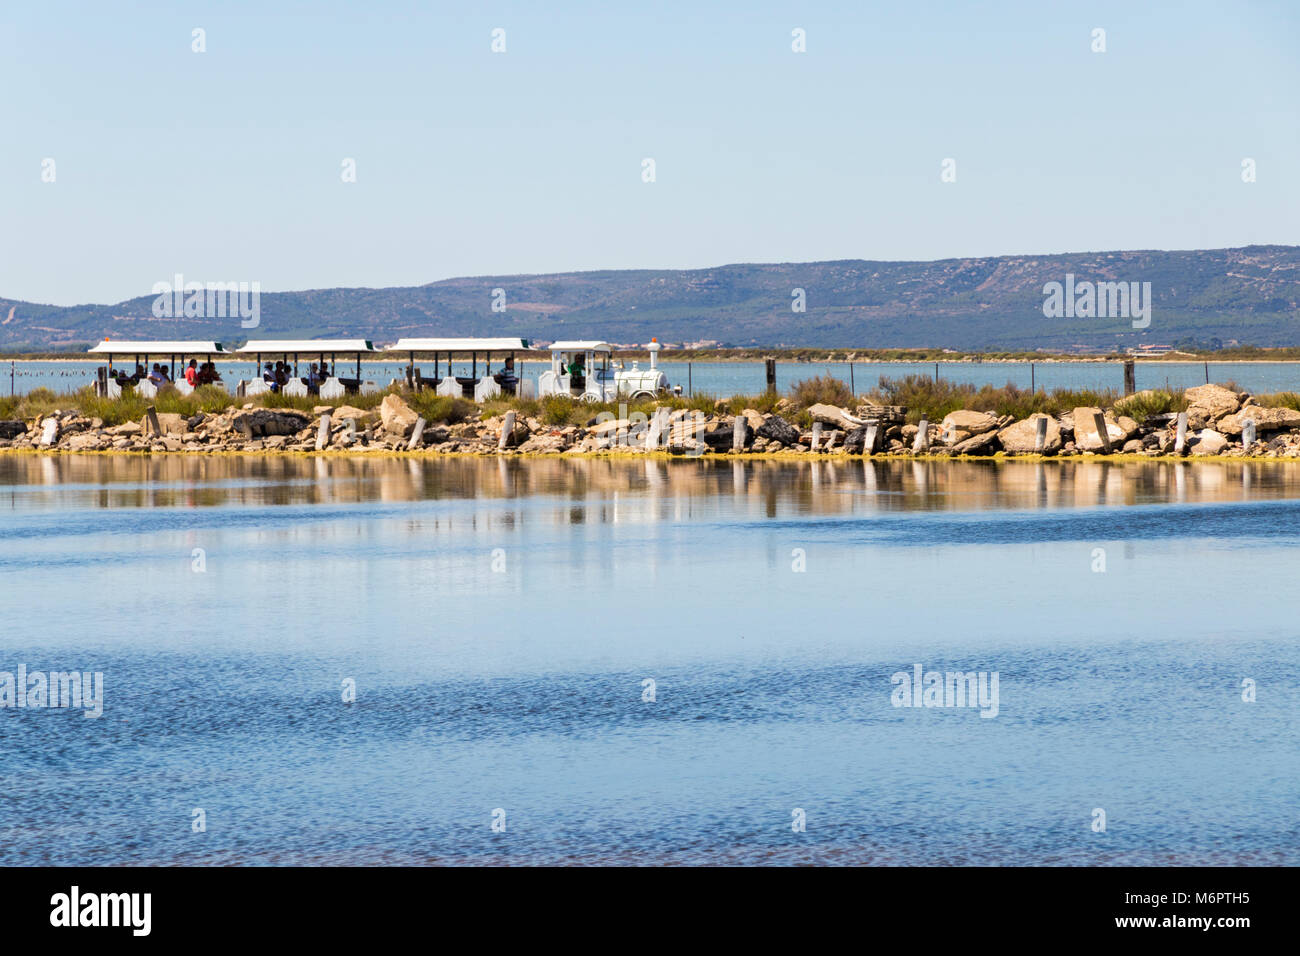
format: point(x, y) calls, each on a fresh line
point(417, 434)
point(922, 442)
point(654, 431)
point(507, 429)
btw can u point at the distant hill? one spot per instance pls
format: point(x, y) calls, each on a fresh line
point(1251, 295)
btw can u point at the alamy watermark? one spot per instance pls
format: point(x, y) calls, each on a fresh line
point(1098, 300)
point(128, 910)
point(37, 690)
point(682, 432)
point(922, 688)
point(208, 300)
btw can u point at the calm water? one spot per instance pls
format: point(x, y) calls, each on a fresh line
point(499, 619)
point(746, 378)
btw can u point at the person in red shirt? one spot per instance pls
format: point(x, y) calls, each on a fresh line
point(192, 372)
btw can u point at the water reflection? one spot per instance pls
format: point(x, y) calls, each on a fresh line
point(630, 486)
point(520, 685)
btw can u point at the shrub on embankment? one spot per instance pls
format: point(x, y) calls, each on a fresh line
point(922, 395)
point(927, 398)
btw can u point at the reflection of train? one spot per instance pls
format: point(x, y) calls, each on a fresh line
point(582, 370)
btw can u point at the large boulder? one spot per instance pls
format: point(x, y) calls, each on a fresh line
point(855, 442)
point(689, 429)
point(776, 428)
point(169, 422)
point(964, 423)
point(543, 444)
point(398, 417)
point(835, 416)
point(1086, 437)
point(1021, 437)
point(1129, 428)
point(721, 436)
point(262, 422)
point(344, 412)
point(1209, 442)
point(86, 441)
point(1206, 404)
point(1266, 420)
point(610, 427)
point(985, 443)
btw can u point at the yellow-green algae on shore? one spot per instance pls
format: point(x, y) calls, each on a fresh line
point(630, 455)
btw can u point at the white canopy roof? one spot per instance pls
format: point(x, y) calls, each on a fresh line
point(458, 345)
point(165, 347)
point(307, 346)
point(581, 346)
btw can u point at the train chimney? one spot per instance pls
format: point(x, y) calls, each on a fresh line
point(654, 353)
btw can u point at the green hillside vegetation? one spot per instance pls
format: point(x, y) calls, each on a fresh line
point(1236, 297)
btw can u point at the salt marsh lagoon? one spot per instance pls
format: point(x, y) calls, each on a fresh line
point(650, 661)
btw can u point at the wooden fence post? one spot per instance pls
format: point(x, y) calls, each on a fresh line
point(1103, 436)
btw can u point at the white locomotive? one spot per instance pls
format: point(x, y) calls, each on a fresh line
point(582, 370)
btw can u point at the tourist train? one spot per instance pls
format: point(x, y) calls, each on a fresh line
point(582, 370)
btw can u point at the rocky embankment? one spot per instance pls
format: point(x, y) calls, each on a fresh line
point(1216, 420)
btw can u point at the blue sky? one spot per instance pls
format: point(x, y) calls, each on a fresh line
point(225, 165)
